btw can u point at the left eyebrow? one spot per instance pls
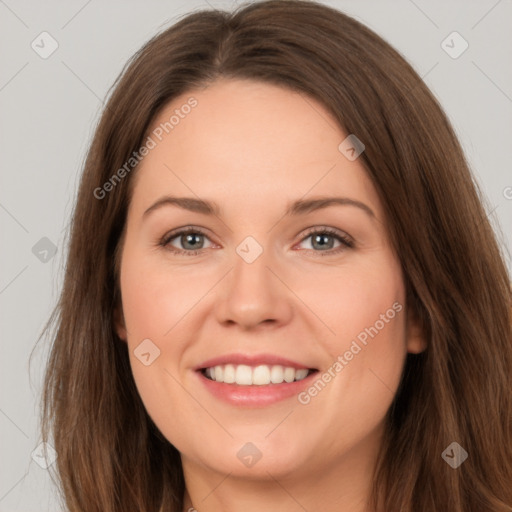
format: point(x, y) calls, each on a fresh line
point(298, 207)
point(303, 206)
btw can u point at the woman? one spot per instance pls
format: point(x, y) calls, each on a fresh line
point(282, 289)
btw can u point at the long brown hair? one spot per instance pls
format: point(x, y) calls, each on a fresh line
point(111, 457)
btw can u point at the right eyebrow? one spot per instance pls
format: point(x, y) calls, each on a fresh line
point(187, 203)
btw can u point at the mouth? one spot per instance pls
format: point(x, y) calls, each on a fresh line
point(254, 380)
point(261, 375)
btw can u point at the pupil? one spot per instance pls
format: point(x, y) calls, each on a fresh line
point(190, 239)
point(321, 238)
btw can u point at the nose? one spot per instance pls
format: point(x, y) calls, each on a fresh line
point(254, 295)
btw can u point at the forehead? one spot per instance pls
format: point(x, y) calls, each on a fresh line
point(244, 142)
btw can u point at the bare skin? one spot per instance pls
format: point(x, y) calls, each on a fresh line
point(253, 149)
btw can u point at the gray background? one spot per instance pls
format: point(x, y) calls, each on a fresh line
point(49, 108)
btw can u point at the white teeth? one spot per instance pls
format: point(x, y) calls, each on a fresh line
point(229, 374)
point(243, 375)
point(289, 374)
point(260, 375)
point(301, 374)
point(276, 374)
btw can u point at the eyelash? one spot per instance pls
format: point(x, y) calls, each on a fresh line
point(346, 242)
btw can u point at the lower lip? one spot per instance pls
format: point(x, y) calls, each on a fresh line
point(255, 396)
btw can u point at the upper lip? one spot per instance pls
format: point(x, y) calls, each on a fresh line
point(251, 360)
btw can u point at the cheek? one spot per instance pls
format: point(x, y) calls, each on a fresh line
point(154, 303)
point(157, 298)
point(350, 300)
point(364, 307)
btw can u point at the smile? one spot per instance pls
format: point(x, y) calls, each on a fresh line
point(256, 380)
point(261, 375)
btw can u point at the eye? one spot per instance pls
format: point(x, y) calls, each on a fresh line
point(190, 239)
point(323, 241)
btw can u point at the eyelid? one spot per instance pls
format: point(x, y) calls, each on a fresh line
point(175, 233)
point(330, 230)
point(346, 241)
point(183, 230)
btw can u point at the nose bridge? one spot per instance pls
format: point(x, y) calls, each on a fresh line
point(253, 294)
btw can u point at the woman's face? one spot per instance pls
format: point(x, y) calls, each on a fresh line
point(286, 274)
